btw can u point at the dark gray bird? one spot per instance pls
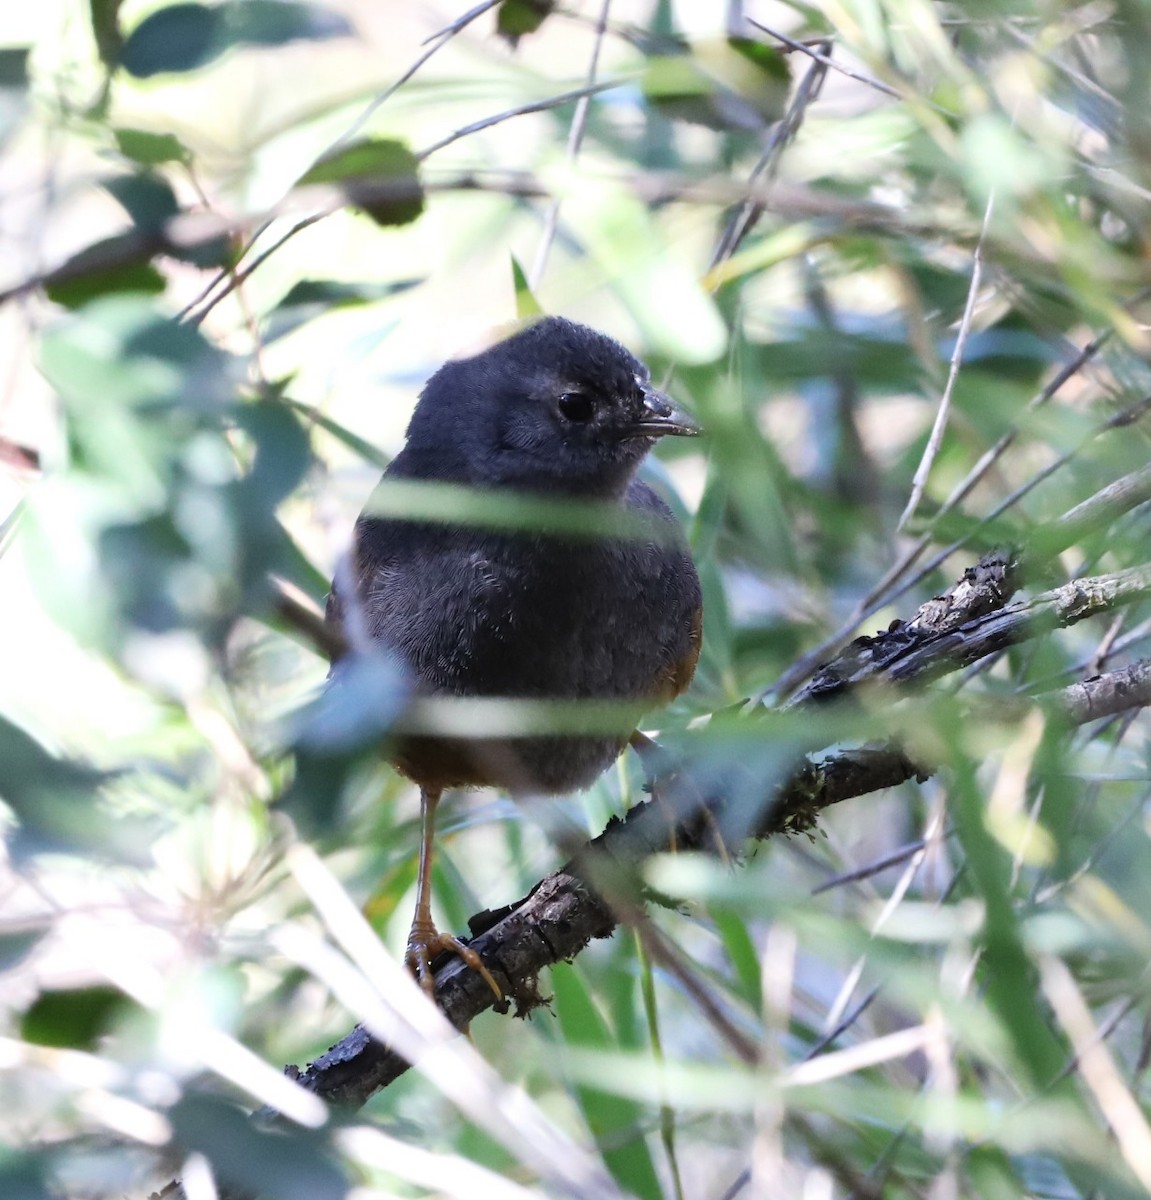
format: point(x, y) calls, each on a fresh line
point(557, 411)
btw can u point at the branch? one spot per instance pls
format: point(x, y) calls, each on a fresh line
point(1058, 608)
point(191, 234)
point(564, 912)
point(1095, 513)
point(572, 907)
point(1105, 695)
point(944, 637)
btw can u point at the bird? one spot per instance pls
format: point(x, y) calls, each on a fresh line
point(554, 411)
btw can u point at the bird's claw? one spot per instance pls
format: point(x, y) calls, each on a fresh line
point(425, 942)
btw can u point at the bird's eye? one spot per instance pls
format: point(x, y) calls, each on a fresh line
point(577, 406)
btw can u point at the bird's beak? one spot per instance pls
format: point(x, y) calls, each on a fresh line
point(661, 417)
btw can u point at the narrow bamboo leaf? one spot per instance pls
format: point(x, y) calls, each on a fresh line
point(615, 1122)
point(185, 37)
point(526, 303)
point(378, 175)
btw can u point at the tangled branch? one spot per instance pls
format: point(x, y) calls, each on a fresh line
point(582, 901)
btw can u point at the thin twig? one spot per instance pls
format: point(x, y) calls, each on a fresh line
point(225, 273)
point(879, 595)
point(564, 911)
point(10, 524)
point(575, 139)
point(828, 61)
point(1127, 416)
point(460, 22)
point(844, 1025)
point(666, 1112)
point(298, 612)
point(522, 110)
point(236, 278)
point(935, 440)
point(668, 956)
point(782, 133)
point(1106, 642)
point(873, 868)
point(793, 201)
point(440, 39)
point(1043, 893)
point(1131, 638)
point(1077, 77)
point(1101, 1034)
point(1096, 512)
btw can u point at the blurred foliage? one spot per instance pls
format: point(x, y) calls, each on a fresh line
point(237, 239)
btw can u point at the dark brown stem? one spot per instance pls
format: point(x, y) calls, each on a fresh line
point(567, 909)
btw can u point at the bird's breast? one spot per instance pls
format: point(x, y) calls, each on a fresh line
point(528, 617)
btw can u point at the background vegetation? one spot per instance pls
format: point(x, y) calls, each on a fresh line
point(899, 272)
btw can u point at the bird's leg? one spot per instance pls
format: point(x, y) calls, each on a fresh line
point(425, 941)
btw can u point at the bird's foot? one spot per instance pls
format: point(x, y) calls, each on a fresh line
point(425, 941)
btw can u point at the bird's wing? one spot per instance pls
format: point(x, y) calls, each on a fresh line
point(428, 592)
point(678, 616)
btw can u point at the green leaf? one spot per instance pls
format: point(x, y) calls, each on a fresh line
point(741, 951)
point(148, 199)
point(526, 303)
point(990, 1174)
point(180, 37)
point(730, 84)
point(13, 88)
point(277, 22)
point(208, 250)
point(105, 18)
point(363, 159)
point(762, 56)
point(15, 947)
point(150, 149)
point(77, 1018)
point(113, 265)
point(181, 484)
point(363, 699)
point(174, 544)
point(54, 800)
point(659, 287)
point(184, 37)
point(22, 1176)
point(1006, 970)
point(14, 67)
point(312, 298)
point(278, 1166)
point(674, 77)
point(295, 566)
point(338, 736)
point(334, 293)
point(378, 175)
point(122, 354)
point(281, 453)
point(609, 1115)
point(519, 17)
point(365, 449)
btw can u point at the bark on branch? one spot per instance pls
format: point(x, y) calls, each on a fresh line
point(566, 910)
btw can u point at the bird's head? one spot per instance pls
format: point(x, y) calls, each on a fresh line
point(554, 407)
